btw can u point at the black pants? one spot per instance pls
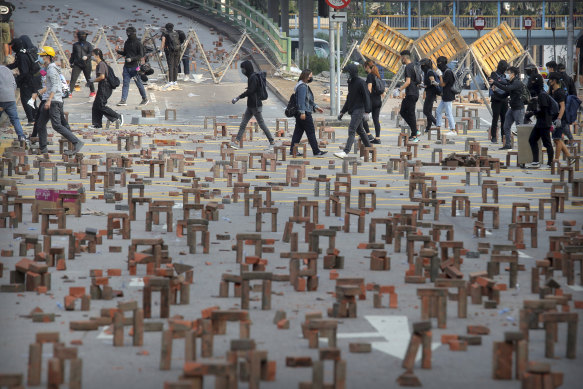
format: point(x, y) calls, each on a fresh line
point(56, 114)
point(75, 75)
point(376, 111)
point(499, 109)
point(26, 92)
point(545, 135)
point(173, 60)
point(100, 107)
point(37, 118)
point(356, 127)
point(307, 126)
point(428, 109)
point(407, 112)
point(185, 65)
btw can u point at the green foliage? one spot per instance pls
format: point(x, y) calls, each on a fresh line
point(322, 35)
point(318, 65)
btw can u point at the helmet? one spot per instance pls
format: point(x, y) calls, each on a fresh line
point(47, 50)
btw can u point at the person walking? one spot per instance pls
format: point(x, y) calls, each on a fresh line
point(27, 80)
point(411, 89)
point(498, 101)
point(447, 96)
point(54, 104)
point(304, 120)
point(358, 106)
point(171, 46)
point(542, 127)
point(254, 105)
point(6, 9)
point(185, 60)
point(431, 81)
point(80, 61)
point(104, 91)
point(560, 96)
point(377, 91)
point(516, 112)
point(8, 100)
point(133, 51)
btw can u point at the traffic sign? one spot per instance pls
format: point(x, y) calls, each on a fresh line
point(528, 23)
point(338, 4)
point(479, 23)
point(340, 17)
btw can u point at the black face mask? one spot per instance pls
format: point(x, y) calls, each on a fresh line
point(309, 80)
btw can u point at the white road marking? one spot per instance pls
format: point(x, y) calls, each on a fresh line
point(395, 330)
point(523, 255)
point(576, 288)
point(137, 282)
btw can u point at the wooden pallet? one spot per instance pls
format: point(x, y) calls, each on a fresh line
point(500, 43)
point(383, 45)
point(443, 40)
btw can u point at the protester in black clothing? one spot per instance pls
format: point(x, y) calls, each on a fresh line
point(171, 46)
point(133, 51)
point(447, 81)
point(560, 96)
point(254, 105)
point(431, 81)
point(579, 57)
point(542, 127)
point(376, 99)
point(498, 101)
point(27, 81)
point(358, 106)
point(80, 61)
point(304, 121)
point(104, 91)
point(185, 65)
point(516, 112)
point(407, 111)
point(567, 80)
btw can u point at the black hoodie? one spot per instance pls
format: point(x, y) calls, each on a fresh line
point(81, 49)
point(21, 47)
point(358, 94)
point(253, 100)
point(514, 87)
point(133, 49)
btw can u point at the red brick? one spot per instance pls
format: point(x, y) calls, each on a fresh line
point(393, 301)
point(271, 370)
point(478, 330)
point(61, 264)
point(77, 291)
point(446, 338)
point(334, 274)
point(578, 304)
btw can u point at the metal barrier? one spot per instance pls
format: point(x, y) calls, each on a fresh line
point(246, 17)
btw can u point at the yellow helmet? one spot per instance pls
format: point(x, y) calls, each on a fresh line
point(47, 50)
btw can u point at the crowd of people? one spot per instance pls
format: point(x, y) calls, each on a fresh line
point(513, 101)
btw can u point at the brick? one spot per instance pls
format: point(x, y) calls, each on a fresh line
point(271, 371)
point(113, 272)
point(578, 304)
point(61, 264)
point(334, 274)
point(458, 345)
point(283, 324)
point(76, 291)
point(478, 330)
point(360, 347)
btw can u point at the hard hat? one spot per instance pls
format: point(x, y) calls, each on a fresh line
point(47, 50)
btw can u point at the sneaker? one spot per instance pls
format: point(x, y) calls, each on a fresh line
point(120, 120)
point(144, 101)
point(92, 127)
point(234, 145)
point(270, 148)
point(320, 153)
point(545, 166)
point(29, 124)
point(494, 140)
point(122, 103)
point(340, 154)
point(572, 161)
point(23, 138)
point(44, 151)
point(532, 165)
point(370, 137)
point(415, 140)
point(376, 141)
point(514, 132)
point(451, 133)
point(505, 148)
point(92, 94)
point(412, 137)
point(78, 147)
point(298, 154)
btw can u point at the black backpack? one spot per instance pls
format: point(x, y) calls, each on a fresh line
point(262, 93)
point(34, 65)
point(292, 106)
point(111, 78)
point(378, 86)
point(524, 94)
point(173, 41)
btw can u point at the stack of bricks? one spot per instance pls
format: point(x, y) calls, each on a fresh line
point(28, 276)
point(421, 336)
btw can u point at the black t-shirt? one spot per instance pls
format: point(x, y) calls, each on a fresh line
point(429, 88)
point(448, 79)
point(412, 89)
point(560, 96)
point(375, 98)
point(543, 115)
point(580, 46)
point(6, 9)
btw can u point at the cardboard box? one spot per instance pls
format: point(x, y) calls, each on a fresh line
point(47, 198)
